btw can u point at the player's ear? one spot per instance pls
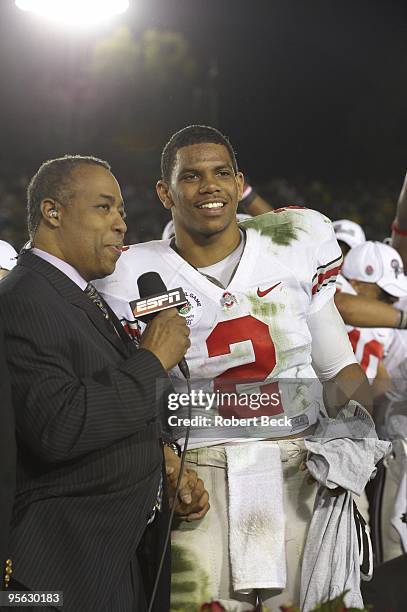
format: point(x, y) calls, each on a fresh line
point(240, 184)
point(164, 195)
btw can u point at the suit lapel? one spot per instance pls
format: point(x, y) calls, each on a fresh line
point(75, 296)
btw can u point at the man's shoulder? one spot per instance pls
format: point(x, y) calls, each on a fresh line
point(290, 226)
point(24, 285)
point(19, 280)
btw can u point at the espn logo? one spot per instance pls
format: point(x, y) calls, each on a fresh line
point(156, 303)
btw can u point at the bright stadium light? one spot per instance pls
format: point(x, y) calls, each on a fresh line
point(75, 12)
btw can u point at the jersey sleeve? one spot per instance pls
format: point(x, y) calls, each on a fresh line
point(340, 284)
point(327, 263)
point(120, 288)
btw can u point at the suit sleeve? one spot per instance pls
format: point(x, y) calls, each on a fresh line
point(60, 415)
point(7, 455)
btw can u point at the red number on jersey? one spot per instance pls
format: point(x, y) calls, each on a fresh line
point(238, 330)
point(372, 348)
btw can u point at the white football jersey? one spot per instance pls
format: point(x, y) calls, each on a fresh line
point(393, 406)
point(370, 344)
point(251, 336)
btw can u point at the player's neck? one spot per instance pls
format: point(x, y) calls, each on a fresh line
point(205, 251)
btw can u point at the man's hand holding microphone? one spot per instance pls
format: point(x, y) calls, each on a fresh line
point(167, 336)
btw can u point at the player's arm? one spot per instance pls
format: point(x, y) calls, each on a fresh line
point(399, 227)
point(252, 204)
point(258, 206)
point(332, 355)
point(335, 362)
point(360, 311)
point(382, 383)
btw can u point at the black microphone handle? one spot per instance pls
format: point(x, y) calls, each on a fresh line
point(183, 366)
point(151, 283)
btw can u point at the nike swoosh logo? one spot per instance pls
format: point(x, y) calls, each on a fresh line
point(263, 293)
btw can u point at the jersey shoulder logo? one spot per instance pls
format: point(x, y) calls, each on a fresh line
point(261, 293)
point(193, 310)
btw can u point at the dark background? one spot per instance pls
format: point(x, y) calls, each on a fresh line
point(312, 93)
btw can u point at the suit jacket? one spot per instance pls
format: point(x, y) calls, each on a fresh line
point(87, 421)
point(7, 456)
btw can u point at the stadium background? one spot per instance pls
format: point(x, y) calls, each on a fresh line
point(312, 94)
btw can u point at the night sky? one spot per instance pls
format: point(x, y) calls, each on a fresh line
point(307, 88)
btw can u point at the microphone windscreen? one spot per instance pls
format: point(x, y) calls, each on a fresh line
point(150, 283)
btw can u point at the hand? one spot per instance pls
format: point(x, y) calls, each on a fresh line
point(192, 502)
point(167, 336)
point(311, 480)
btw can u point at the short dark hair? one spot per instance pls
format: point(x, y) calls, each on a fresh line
point(190, 135)
point(54, 180)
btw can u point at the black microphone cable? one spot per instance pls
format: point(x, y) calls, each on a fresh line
point(150, 284)
point(185, 372)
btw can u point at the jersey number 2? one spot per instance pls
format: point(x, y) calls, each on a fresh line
point(219, 342)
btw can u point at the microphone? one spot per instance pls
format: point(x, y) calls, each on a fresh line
point(155, 297)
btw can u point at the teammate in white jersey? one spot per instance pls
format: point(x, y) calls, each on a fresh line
point(369, 343)
point(261, 310)
point(373, 270)
point(393, 426)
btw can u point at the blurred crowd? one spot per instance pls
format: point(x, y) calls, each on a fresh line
point(369, 205)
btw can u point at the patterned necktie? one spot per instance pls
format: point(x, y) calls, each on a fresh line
point(97, 299)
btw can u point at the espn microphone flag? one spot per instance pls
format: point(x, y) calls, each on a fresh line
point(151, 284)
point(156, 301)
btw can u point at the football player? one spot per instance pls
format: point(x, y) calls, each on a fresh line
point(260, 310)
point(373, 270)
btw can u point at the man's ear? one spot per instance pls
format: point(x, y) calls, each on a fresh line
point(51, 212)
point(240, 184)
point(162, 189)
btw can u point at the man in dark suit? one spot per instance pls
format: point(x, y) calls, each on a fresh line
point(86, 400)
point(7, 457)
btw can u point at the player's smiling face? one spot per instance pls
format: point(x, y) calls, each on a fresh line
point(204, 190)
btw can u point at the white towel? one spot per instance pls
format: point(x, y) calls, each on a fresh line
point(256, 516)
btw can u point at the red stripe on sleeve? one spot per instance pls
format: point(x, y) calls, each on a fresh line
point(322, 277)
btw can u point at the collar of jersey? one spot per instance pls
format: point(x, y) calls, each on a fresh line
point(246, 261)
